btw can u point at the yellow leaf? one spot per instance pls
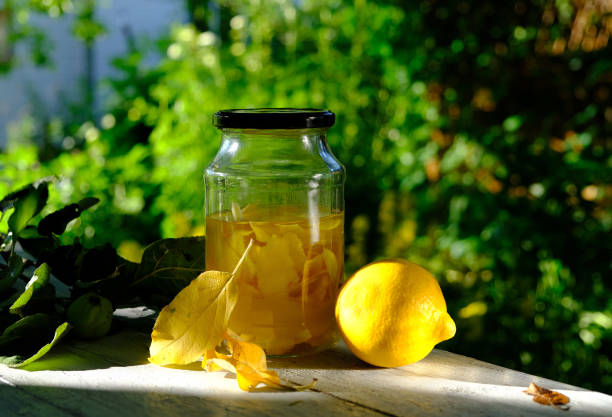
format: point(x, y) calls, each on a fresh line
point(219, 364)
point(195, 321)
point(248, 362)
point(246, 352)
point(249, 378)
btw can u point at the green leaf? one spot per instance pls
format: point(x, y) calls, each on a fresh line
point(88, 202)
point(24, 337)
point(116, 286)
point(26, 325)
point(8, 298)
point(97, 263)
point(39, 279)
point(61, 258)
point(71, 263)
point(11, 272)
point(57, 221)
point(169, 265)
point(9, 200)
point(17, 361)
point(27, 204)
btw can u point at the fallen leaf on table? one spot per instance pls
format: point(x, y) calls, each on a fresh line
point(248, 362)
point(196, 320)
point(545, 396)
point(195, 325)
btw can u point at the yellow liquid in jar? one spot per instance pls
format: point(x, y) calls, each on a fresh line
point(289, 281)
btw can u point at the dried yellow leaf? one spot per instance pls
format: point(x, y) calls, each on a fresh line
point(545, 396)
point(218, 364)
point(195, 321)
point(248, 362)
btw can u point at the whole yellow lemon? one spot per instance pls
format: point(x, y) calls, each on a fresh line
point(392, 313)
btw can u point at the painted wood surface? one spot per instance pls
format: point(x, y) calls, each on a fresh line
point(111, 377)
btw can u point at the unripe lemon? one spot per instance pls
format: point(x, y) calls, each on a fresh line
point(392, 313)
point(91, 315)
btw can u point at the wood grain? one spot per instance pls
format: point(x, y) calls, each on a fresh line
point(111, 377)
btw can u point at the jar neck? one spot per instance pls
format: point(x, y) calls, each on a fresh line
point(274, 167)
point(255, 134)
point(269, 144)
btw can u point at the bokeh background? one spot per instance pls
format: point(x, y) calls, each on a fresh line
point(476, 135)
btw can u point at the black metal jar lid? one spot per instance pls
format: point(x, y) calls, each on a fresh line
point(270, 118)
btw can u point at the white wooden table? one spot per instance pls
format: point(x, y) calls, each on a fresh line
point(111, 377)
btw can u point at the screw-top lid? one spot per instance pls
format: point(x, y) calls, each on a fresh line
point(269, 118)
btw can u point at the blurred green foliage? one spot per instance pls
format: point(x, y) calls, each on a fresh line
point(477, 141)
point(22, 30)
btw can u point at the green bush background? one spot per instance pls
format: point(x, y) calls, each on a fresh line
point(476, 137)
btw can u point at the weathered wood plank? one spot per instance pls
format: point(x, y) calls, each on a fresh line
point(63, 401)
point(151, 390)
point(442, 384)
point(112, 377)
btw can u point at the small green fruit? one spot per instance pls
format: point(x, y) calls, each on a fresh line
point(91, 315)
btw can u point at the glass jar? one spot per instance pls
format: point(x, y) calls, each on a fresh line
point(276, 182)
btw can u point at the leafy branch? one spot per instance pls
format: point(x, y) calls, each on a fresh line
point(48, 289)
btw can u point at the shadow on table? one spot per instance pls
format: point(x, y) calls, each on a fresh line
point(127, 345)
point(47, 401)
point(338, 358)
point(121, 349)
point(128, 348)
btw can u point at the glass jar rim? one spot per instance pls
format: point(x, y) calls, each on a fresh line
point(273, 118)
